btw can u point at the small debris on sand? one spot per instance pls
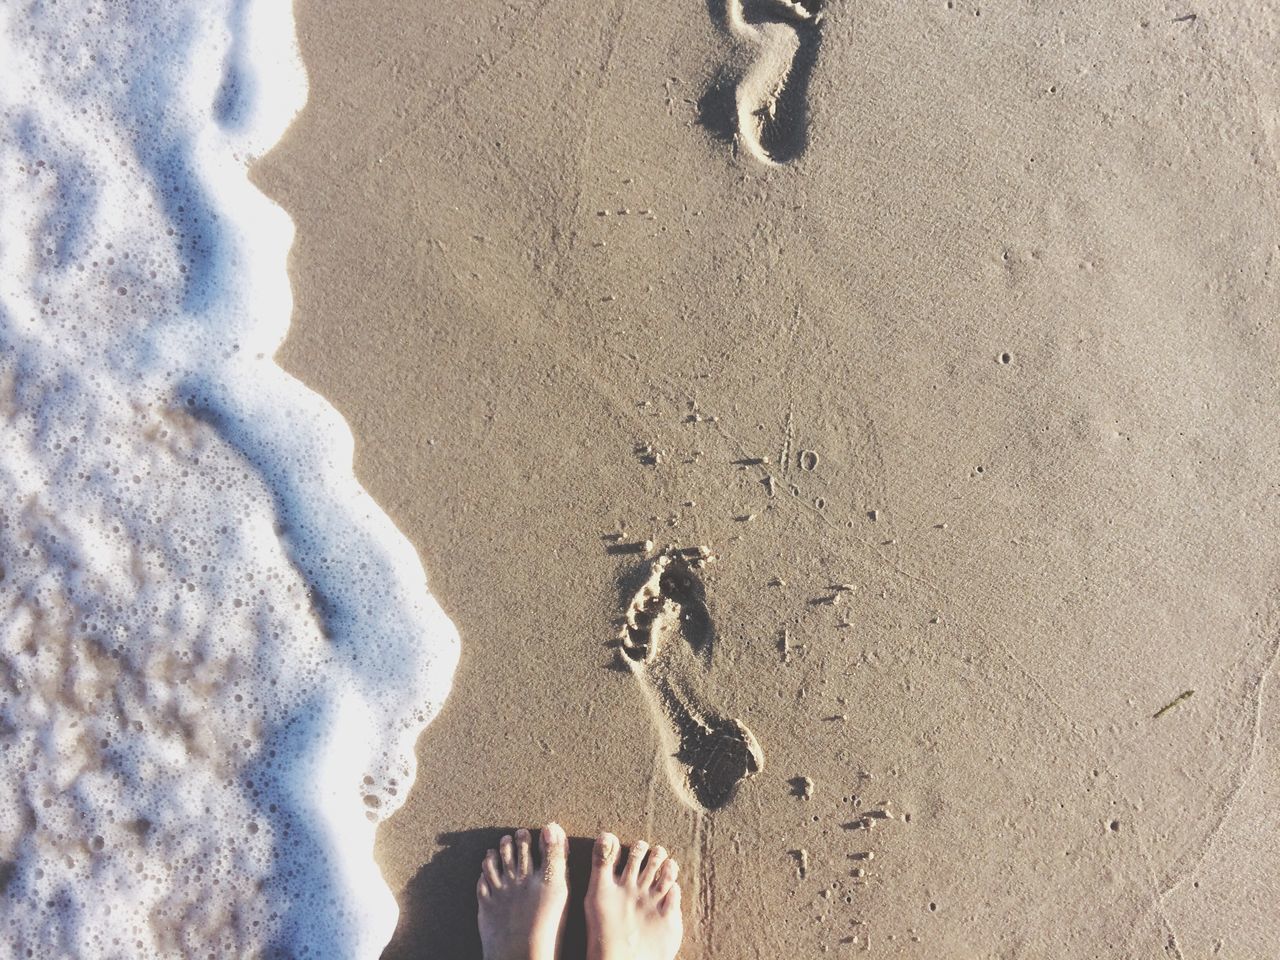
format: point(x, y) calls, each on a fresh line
point(1184, 695)
point(802, 862)
point(804, 785)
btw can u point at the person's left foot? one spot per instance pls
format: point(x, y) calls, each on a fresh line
point(522, 906)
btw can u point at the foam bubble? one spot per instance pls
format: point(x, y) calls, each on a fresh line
point(216, 652)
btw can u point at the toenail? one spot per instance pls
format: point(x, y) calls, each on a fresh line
point(605, 847)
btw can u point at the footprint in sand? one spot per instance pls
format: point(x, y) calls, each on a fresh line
point(666, 641)
point(770, 97)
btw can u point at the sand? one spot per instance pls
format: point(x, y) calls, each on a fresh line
point(962, 366)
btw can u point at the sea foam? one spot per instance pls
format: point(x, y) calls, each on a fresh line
point(216, 652)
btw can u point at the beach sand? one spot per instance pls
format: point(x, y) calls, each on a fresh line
point(964, 370)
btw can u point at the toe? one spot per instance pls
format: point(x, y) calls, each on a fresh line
point(492, 870)
point(666, 878)
point(522, 853)
point(482, 888)
point(604, 856)
point(553, 852)
point(670, 904)
point(634, 860)
point(657, 857)
point(507, 851)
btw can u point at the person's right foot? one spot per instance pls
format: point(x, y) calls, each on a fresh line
point(522, 906)
point(632, 914)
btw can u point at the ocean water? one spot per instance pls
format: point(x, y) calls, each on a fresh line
point(216, 652)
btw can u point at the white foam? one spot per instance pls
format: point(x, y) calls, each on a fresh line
point(216, 652)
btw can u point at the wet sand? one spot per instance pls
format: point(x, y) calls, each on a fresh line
point(962, 366)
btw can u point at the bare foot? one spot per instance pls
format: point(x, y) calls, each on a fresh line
point(633, 914)
point(522, 909)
